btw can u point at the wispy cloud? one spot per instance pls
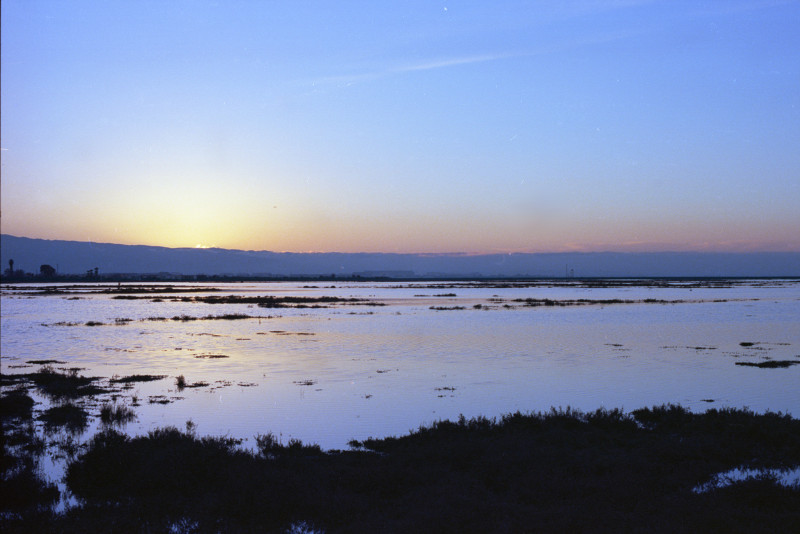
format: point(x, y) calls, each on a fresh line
point(432, 64)
point(451, 62)
point(735, 8)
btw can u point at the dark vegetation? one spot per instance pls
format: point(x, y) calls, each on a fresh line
point(136, 378)
point(267, 301)
point(23, 491)
point(563, 471)
point(585, 302)
point(118, 289)
point(770, 364)
point(57, 385)
point(68, 416)
point(525, 282)
point(116, 414)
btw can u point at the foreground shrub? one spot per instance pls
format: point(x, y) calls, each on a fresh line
point(563, 471)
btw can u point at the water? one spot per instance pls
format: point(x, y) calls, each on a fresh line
point(351, 371)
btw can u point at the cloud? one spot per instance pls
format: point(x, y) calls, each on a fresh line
point(451, 62)
point(457, 61)
point(735, 8)
point(432, 64)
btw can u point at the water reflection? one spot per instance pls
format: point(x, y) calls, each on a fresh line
point(326, 369)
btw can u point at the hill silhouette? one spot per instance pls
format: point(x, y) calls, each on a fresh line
point(77, 257)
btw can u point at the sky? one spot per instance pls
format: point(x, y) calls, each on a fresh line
point(414, 126)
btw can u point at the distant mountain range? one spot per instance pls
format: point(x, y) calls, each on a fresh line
point(77, 257)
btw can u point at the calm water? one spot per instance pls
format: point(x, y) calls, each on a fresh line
point(328, 375)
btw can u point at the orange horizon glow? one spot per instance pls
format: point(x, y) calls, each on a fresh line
point(261, 126)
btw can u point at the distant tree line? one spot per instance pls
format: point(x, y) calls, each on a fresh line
point(49, 273)
point(46, 272)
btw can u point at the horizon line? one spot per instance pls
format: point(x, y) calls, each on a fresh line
point(424, 254)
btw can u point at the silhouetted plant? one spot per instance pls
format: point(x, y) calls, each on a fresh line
point(116, 414)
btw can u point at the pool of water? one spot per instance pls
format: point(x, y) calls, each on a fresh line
point(352, 370)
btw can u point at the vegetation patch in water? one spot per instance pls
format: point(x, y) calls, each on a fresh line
point(770, 364)
point(562, 471)
point(63, 385)
point(16, 403)
point(136, 378)
point(228, 317)
point(69, 416)
point(116, 414)
point(308, 382)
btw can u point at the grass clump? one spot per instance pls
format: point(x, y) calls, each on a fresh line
point(116, 414)
point(64, 385)
point(136, 378)
point(72, 418)
point(16, 404)
point(270, 447)
point(771, 364)
point(228, 316)
point(24, 492)
point(184, 318)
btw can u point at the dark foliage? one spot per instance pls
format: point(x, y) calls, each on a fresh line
point(771, 364)
point(68, 416)
point(116, 414)
point(136, 378)
point(23, 491)
point(16, 404)
point(562, 471)
point(59, 385)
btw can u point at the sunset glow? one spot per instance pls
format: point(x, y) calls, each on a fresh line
point(418, 127)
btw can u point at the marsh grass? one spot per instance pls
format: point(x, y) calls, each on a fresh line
point(307, 382)
point(68, 416)
point(562, 471)
point(228, 317)
point(16, 404)
point(116, 414)
point(770, 364)
point(59, 385)
point(532, 303)
point(23, 489)
point(136, 378)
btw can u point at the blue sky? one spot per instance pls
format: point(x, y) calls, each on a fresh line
point(404, 126)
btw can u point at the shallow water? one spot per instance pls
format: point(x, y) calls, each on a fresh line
point(352, 371)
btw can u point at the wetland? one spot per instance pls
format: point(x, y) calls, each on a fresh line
point(356, 385)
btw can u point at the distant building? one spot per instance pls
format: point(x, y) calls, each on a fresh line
point(47, 271)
